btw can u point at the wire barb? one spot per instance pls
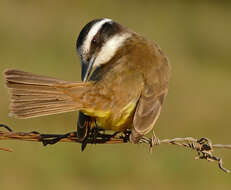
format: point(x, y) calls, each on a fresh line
point(203, 146)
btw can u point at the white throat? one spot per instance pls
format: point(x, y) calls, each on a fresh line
point(110, 48)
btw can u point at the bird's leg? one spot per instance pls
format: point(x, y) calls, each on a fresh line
point(92, 136)
point(126, 135)
point(85, 140)
point(98, 135)
point(106, 137)
point(95, 133)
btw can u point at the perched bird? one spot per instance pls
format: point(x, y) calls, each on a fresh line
point(124, 83)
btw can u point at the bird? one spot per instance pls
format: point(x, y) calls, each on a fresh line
point(124, 83)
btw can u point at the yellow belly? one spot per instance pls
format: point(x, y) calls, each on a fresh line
point(113, 121)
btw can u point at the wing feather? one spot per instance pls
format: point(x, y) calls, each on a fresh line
point(150, 102)
point(146, 115)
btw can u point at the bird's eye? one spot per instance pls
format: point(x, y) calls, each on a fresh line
point(94, 41)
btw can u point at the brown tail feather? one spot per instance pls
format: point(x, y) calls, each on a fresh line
point(34, 95)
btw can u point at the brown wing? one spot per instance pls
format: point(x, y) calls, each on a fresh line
point(146, 115)
point(152, 97)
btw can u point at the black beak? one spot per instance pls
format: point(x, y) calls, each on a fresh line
point(87, 68)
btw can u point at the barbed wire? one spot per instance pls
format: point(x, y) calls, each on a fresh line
point(203, 146)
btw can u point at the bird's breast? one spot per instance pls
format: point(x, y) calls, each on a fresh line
point(116, 121)
point(115, 97)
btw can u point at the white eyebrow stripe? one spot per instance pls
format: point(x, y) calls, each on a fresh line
point(109, 48)
point(93, 31)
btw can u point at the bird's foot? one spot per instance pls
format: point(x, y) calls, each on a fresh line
point(94, 135)
point(125, 135)
point(97, 135)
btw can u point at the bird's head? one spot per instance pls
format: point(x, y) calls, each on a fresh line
point(98, 43)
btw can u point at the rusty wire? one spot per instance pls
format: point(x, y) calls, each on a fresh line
point(203, 146)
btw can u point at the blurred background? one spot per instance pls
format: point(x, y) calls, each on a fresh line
point(40, 37)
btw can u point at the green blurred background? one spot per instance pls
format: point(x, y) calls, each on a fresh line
point(39, 36)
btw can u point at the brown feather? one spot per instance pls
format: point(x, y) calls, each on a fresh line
point(35, 95)
point(152, 97)
point(146, 115)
